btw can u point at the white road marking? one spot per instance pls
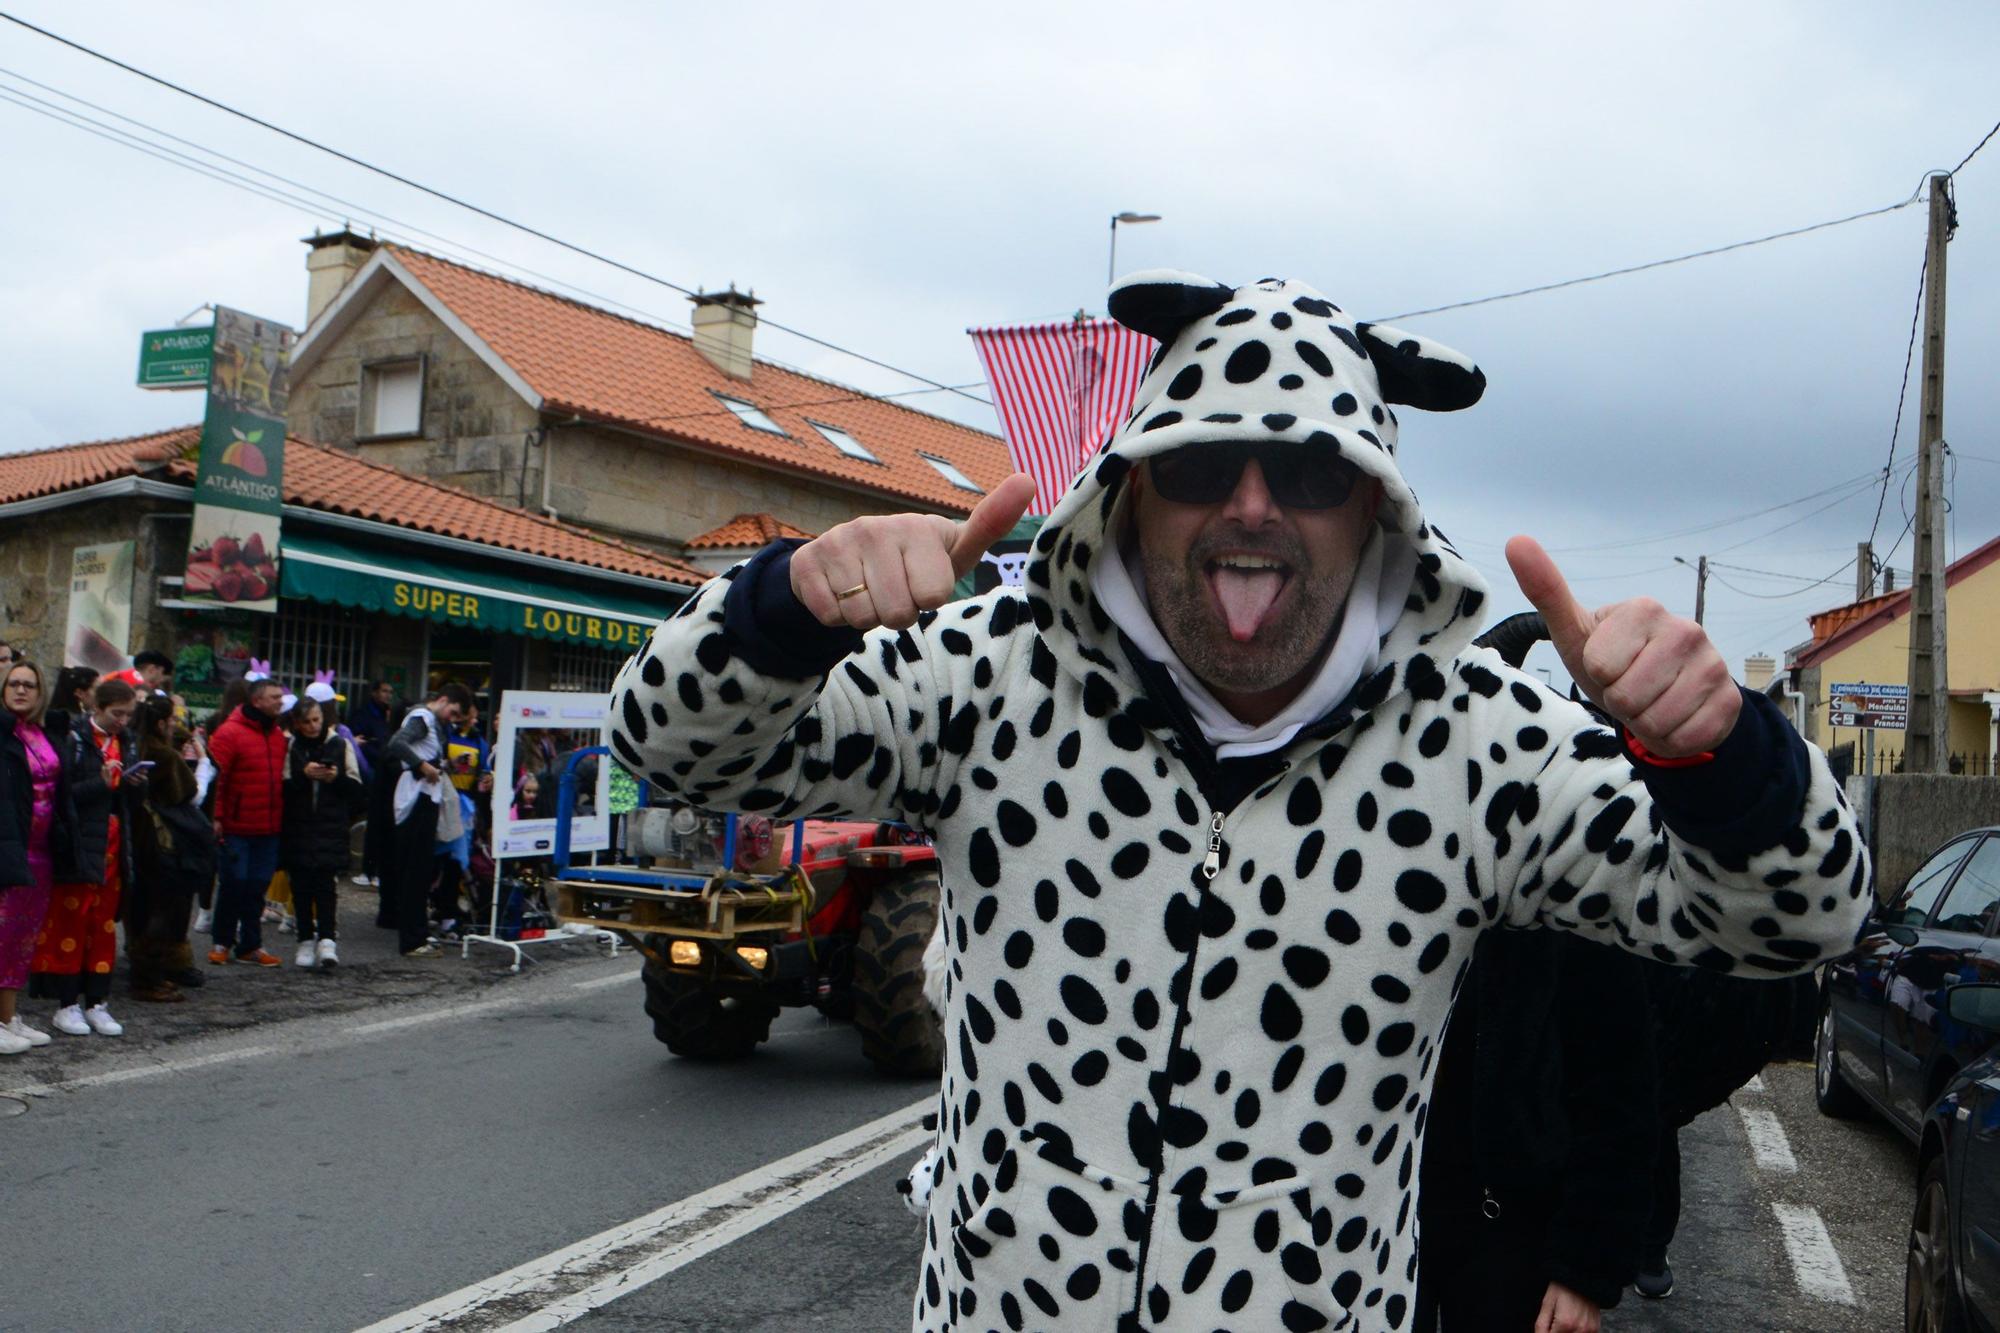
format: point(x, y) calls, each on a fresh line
point(1756, 1084)
point(598, 983)
point(1768, 1144)
point(1815, 1263)
point(469, 1009)
point(568, 1283)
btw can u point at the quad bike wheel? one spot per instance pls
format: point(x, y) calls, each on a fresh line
point(899, 1031)
point(699, 1023)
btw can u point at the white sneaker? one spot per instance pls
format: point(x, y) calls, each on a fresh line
point(362, 881)
point(307, 954)
point(102, 1022)
point(329, 956)
point(70, 1019)
point(204, 921)
point(11, 1044)
point(34, 1036)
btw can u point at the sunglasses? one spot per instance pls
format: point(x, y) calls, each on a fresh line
point(1299, 475)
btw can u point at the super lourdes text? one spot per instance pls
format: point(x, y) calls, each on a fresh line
point(545, 620)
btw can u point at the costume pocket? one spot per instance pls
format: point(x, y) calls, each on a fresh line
point(1037, 1239)
point(1290, 1236)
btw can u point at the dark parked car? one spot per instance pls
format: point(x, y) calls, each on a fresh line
point(1885, 1039)
point(1952, 1276)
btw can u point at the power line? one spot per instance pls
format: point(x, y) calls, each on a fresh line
point(1975, 150)
point(487, 213)
point(382, 223)
point(1851, 484)
point(1902, 393)
point(1655, 263)
point(1831, 504)
point(376, 220)
point(1697, 254)
point(1765, 573)
point(230, 179)
point(1780, 596)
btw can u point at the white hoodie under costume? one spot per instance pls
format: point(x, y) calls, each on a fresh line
point(1192, 1020)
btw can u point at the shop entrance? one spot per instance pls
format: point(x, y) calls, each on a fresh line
point(486, 663)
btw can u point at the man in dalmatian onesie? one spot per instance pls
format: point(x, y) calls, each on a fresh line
point(1224, 797)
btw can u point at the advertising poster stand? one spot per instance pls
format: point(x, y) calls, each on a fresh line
point(538, 731)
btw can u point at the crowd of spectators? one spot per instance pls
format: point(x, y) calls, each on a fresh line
point(118, 807)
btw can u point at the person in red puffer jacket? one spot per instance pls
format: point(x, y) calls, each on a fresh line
point(248, 751)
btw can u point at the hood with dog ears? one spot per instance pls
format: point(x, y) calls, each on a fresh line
point(1273, 361)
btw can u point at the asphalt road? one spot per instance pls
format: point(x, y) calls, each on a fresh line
point(435, 1152)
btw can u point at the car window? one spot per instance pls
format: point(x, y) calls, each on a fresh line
point(1924, 888)
point(1975, 893)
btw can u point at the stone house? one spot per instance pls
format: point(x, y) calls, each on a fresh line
point(542, 403)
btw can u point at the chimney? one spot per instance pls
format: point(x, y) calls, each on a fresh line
point(1888, 579)
point(724, 324)
point(331, 261)
point(1757, 672)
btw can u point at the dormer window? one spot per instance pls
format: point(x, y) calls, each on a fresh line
point(951, 473)
point(844, 442)
point(750, 414)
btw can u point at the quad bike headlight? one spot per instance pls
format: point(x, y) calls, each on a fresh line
point(753, 955)
point(684, 953)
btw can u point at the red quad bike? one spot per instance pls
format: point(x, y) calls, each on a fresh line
point(737, 920)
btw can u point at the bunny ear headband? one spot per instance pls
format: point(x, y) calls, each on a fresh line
point(260, 669)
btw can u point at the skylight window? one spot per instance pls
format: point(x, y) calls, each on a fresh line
point(951, 474)
point(844, 442)
point(750, 415)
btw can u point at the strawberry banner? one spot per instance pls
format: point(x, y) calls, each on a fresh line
point(240, 484)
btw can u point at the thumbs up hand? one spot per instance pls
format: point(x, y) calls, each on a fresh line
point(1656, 673)
point(884, 569)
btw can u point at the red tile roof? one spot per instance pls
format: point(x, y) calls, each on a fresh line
point(1834, 630)
point(595, 364)
point(748, 530)
point(39, 472)
point(317, 477)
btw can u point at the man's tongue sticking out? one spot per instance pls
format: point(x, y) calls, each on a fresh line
point(1246, 596)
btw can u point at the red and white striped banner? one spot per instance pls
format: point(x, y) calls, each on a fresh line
point(1061, 390)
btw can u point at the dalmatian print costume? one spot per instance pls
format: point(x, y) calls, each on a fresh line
point(1191, 1042)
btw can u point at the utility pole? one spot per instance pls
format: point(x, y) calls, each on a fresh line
point(1924, 747)
point(1700, 568)
point(1864, 572)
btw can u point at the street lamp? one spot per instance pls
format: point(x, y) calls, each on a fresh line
point(1128, 219)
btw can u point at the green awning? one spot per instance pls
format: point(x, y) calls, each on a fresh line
point(323, 568)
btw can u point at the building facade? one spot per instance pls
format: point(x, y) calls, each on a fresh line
point(1869, 642)
point(381, 575)
point(545, 404)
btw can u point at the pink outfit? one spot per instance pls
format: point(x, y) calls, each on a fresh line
point(23, 908)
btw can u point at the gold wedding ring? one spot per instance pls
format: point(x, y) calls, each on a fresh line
point(856, 589)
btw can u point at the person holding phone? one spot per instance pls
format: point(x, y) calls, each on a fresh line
point(78, 945)
point(323, 792)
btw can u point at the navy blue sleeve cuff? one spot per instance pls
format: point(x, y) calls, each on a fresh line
point(771, 630)
point(1748, 797)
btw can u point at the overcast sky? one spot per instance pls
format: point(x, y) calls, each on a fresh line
point(887, 175)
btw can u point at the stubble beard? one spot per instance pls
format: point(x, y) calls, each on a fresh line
point(1177, 592)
